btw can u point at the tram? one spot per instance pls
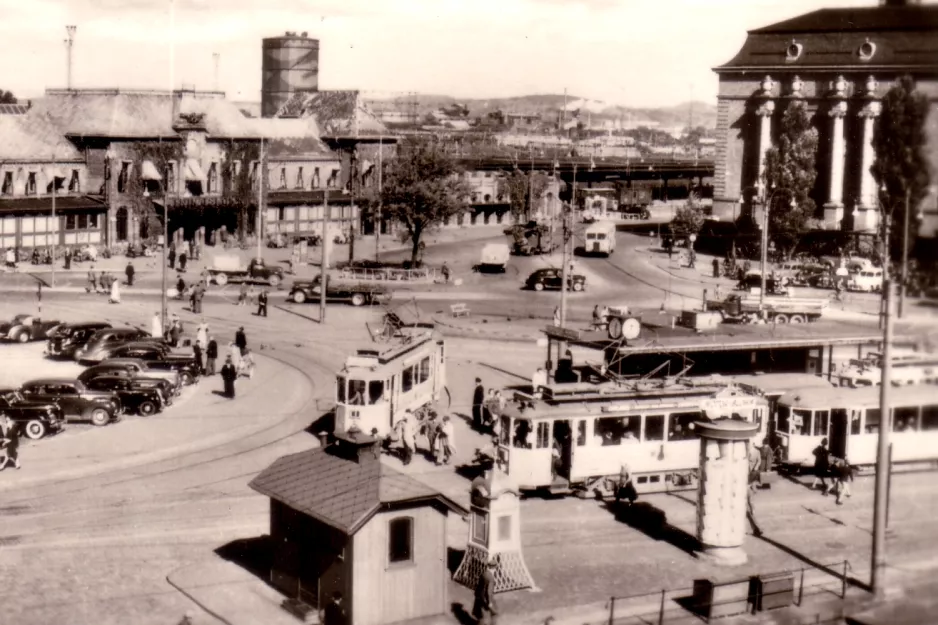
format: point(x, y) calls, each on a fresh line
point(378, 384)
point(850, 418)
point(913, 368)
point(575, 436)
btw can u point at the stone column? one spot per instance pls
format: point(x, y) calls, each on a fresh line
point(866, 218)
point(765, 112)
point(834, 208)
point(724, 485)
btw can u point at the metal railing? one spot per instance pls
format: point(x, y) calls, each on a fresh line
point(391, 274)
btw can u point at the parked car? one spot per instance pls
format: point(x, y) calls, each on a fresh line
point(868, 280)
point(356, 293)
point(551, 278)
point(77, 401)
point(166, 388)
point(31, 329)
point(7, 325)
point(161, 357)
point(67, 338)
point(98, 344)
point(38, 418)
point(142, 369)
point(138, 396)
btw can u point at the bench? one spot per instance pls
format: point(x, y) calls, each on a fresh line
point(459, 310)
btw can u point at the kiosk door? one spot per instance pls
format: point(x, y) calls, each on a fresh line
point(840, 424)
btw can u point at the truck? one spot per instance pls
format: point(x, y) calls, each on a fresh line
point(634, 201)
point(230, 268)
point(356, 293)
point(530, 239)
point(744, 308)
point(494, 257)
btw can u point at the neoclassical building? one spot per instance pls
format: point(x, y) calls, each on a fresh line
point(840, 63)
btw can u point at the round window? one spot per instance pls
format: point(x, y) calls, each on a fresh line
point(793, 51)
point(867, 50)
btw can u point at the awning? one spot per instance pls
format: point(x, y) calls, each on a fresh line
point(194, 171)
point(149, 172)
point(34, 205)
point(57, 171)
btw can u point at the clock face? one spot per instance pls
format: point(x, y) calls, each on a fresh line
point(631, 328)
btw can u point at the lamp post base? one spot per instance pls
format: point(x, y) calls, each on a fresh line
point(723, 556)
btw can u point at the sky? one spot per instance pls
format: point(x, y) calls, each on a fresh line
point(639, 53)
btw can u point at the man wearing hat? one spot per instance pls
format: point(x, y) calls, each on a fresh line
point(483, 608)
point(241, 340)
point(478, 400)
point(229, 374)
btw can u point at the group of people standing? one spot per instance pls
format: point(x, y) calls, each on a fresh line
point(439, 433)
point(105, 283)
point(830, 467)
point(248, 294)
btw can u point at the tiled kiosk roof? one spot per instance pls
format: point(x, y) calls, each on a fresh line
point(341, 490)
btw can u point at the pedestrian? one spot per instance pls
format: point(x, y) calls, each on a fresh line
point(262, 304)
point(175, 331)
point(172, 256)
point(243, 294)
point(755, 480)
point(182, 261)
point(92, 280)
point(130, 273)
point(446, 442)
point(180, 288)
point(205, 277)
point(767, 454)
point(843, 473)
point(335, 613)
point(625, 488)
point(228, 375)
point(478, 400)
point(211, 355)
point(10, 435)
point(156, 326)
point(234, 353)
point(483, 605)
point(68, 258)
point(241, 340)
point(201, 334)
point(247, 366)
point(557, 316)
point(716, 268)
point(115, 292)
point(406, 433)
point(197, 354)
point(821, 466)
point(445, 272)
point(378, 444)
point(252, 295)
point(199, 294)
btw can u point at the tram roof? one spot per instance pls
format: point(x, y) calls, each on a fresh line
point(772, 383)
point(868, 396)
point(662, 338)
point(374, 357)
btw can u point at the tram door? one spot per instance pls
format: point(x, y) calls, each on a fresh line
point(563, 440)
point(840, 424)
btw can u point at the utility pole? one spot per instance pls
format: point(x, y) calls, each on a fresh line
point(55, 224)
point(262, 166)
point(322, 263)
point(566, 235)
point(764, 248)
point(353, 187)
point(380, 188)
point(904, 276)
point(70, 30)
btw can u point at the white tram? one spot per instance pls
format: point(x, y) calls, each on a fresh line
point(573, 436)
point(376, 386)
point(849, 418)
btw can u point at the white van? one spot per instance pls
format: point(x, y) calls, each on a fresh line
point(867, 280)
point(601, 238)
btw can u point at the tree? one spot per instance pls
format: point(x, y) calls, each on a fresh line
point(7, 97)
point(790, 173)
point(901, 166)
point(524, 191)
point(422, 188)
point(688, 219)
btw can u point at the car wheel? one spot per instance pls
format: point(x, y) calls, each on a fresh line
point(577, 286)
point(146, 408)
point(299, 297)
point(100, 417)
point(221, 279)
point(358, 299)
point(22, 337)
point(186, 378)
point(35, 430)
point(274, 280)
point(538, 286)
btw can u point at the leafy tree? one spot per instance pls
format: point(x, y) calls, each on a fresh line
point(790, 173)
point(422, 188)
point(524, 191)
point(688, 219)
point(901, 166)
point(7, 97)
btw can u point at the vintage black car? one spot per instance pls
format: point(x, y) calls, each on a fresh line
point(356, 293)
point(77, 401)
point(551, 278)
point(159, 356)
point(136, 396)
point(7, 325)
point(31, 329)
point(37, 418)
point(166, 388)
point(142, 369)
point(753, 280)
point(67, 338)
point(102, 342)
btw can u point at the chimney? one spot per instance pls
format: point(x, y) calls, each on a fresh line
point(354, 446)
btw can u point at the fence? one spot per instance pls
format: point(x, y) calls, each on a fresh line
point(391, 274)
point(689, 605)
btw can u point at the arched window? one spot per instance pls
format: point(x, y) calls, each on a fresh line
point(401, 540)
point(122, 219)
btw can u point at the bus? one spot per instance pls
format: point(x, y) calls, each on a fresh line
point(850, 418)
point(575, 436)
point(600, 238)
point(377, 385)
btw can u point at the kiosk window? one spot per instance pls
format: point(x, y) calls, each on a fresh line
point(504, 527)
point(356, 392)
point(375, 391)
point(543, 435)
point(930, 418)
point(407, 379)
point(340, 389)
point(821, 418)
point(401, 540)
point(654, 427)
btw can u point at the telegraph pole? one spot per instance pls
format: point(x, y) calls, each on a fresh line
point(883, 468)
point(322, 264)
point(55, 224)
point(262, 166)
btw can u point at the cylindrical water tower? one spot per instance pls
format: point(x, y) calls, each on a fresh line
point(290, 65)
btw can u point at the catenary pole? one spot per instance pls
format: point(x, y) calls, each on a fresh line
point(903, 280)
point(260, 198)
point(322, 264)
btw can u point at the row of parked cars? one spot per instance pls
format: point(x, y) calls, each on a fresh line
point(128, 372)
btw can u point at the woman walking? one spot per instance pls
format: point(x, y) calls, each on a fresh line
point(10, 434)
point(115, 292)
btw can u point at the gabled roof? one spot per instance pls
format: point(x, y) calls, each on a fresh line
point(34, 138)
point(337, 112)
point(341, 492)
point(882, 18)
point(292, 137)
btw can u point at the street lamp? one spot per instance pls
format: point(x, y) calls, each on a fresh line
point(163, 302)
point(766, 204)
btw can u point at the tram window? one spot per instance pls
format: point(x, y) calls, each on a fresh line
point(801, 421)
point(782, 419)
point(522, 437)
point(356, 392)
point(375, 391)
point(407, 379)
point(680, 425)
point(543, 435)
point(872, 420)
point(424, 372)
point(930, 418)
point(580, 433)
point(504, 432)
point(340, 389)
point(480, 527)
point(654, 427)
point(610, 430)
point(905, 419)
point(855, 421)
point(821, 417)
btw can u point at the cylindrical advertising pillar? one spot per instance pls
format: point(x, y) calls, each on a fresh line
point(724, 484)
